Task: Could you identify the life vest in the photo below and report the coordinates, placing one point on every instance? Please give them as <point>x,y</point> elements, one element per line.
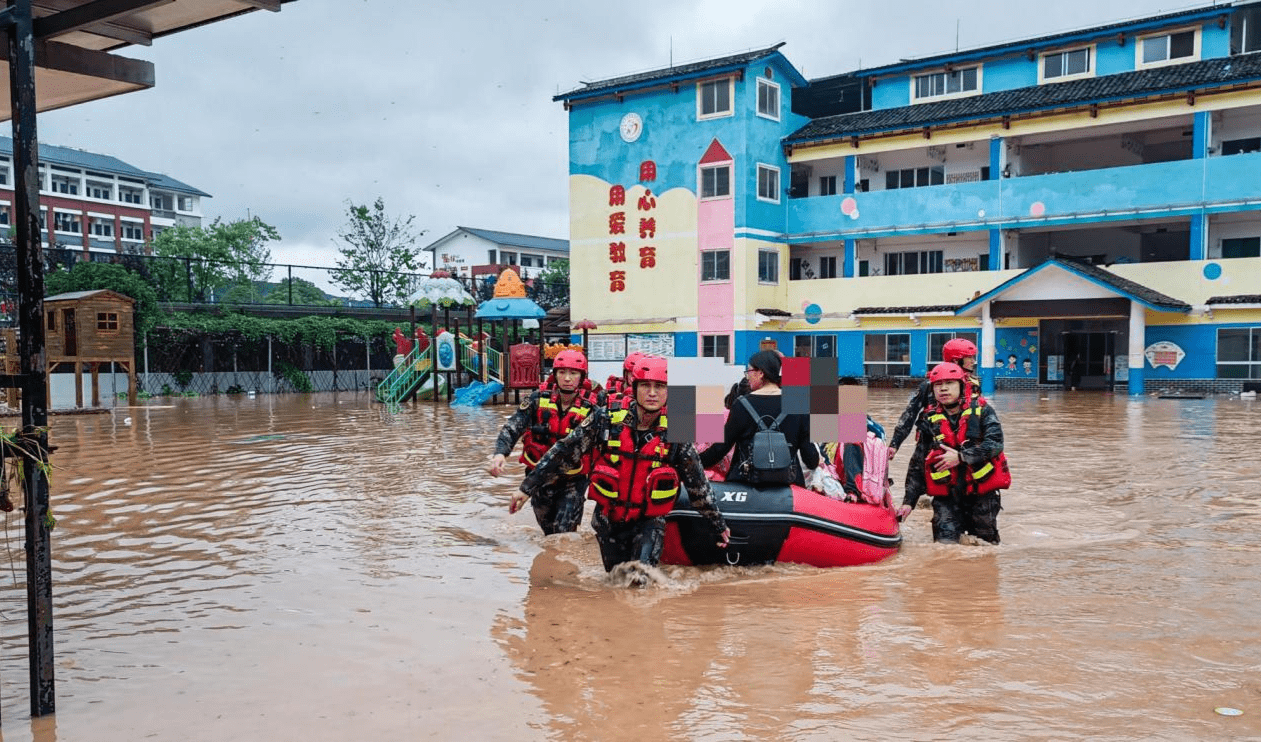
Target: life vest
<point>991,476</point>
<point>616,385</point>
<point>630,483</point>
<point>550,425</point>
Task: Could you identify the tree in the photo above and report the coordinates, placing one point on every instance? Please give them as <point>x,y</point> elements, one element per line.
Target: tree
<point>304,293</point>
<point>550,288</point>
<point>209,260</point>
<point>377,255</point>
<point>89,276</point>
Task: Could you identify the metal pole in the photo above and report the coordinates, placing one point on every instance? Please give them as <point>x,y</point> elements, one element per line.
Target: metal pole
<point>271,380</point>
<point>34,371</point>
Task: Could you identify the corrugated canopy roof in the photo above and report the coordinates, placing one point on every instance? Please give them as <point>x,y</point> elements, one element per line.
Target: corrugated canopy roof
<point>72,38</point>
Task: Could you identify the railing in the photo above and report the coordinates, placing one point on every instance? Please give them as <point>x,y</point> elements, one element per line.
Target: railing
<point>406,376</point>
<point>472,361</point>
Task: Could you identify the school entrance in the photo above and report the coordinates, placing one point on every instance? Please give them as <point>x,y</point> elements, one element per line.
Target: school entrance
<point>1084,354</point>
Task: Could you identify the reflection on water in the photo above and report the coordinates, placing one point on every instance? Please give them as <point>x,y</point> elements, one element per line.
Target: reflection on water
<point>312,567</point>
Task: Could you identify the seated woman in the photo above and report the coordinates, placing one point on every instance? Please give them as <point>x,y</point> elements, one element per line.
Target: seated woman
<point>718,472</point>
<point>763,373</point>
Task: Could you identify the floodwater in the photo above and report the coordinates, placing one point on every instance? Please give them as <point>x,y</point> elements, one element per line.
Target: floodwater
<point>315,568</point>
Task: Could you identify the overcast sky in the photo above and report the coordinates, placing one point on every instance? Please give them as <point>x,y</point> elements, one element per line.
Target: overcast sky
<point>444,108</point>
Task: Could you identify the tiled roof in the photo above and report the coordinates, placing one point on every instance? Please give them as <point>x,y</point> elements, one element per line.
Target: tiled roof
<point>907,310</point>
<point>1235,299</point>
<point>1124,285</point>
<point>1176,78</point>
<point>772,312</point>
<point>158,180</point>
<point>642,79</point>
<point>54,155</point>
<point>519,240</point>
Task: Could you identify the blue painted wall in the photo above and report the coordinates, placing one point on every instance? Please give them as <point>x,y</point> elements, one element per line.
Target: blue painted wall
<point>1197,341</point>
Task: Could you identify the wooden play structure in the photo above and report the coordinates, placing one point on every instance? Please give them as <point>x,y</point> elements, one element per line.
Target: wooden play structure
<point>86,329</point>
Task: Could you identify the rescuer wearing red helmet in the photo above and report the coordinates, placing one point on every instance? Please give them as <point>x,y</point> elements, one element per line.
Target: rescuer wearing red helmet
<point>619,386</point>
<point>635,474</point>
<point>961,352</point>
<point>965,469</point>
<point>547,415</point>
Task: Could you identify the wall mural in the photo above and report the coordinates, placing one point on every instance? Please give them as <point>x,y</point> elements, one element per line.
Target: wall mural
<point>1016,353</point>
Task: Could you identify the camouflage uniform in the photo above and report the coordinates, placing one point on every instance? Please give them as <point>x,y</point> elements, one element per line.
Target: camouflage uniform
<point>638,539</point>
<point>915,486</point>
<point>557,507</point>
<point>959,512</point>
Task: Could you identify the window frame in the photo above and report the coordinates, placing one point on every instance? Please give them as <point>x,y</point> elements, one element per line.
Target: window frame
<point>914,173</point>
<point>76,219</point>
<point>700,181</point>
<point>715,253</point>
<point>763,82</point>
<point>768,258</point>
<point>925,261</point>
<point>933,360</point>
<point>125,224</point>
<point>107,322</point>
<point>730,110</point>
<point>827,185</point>
<point>886,365</point>
<point>1064,77</point>
<point>1251,245</point>
<point>710,346</point>
<point>106,222</point>
<point>1252,348</point>
<point>828,265</point>
<point>961,93</point>
<point>774,188</point>
<point>1140,44</point>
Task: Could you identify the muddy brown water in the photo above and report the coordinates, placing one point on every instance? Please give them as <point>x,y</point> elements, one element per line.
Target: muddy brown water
<point>315,568</point>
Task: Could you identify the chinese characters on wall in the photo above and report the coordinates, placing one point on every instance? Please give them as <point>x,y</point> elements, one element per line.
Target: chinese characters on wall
<point>638,228</point>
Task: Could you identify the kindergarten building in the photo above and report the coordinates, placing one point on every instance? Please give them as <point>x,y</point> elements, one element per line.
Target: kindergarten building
<point>1086,206</point>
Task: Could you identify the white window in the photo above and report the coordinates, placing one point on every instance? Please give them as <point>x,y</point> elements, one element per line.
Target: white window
<point>102,227</point>
<point>185,203</point>
<point>1239,353</point>
<point>1067,65</point>
<point>158,201</point>
<point>827,185</point>
<point>945,84</point>
<point>713,98</point>
<point>1167,48</point>
<point>66,222</point>
<point>767,98</point>
<point>887,354</point>
<point>716,346</point>
<point>716,181</point>
<point>130,195</point>
<point>716,265</point>
<point>103,191</point>
<point>767,183</point>
<point>134,231</point>
<point>768,266</point>
<point>65,184</point>
<point>911,263</point>
<point>507,258</point>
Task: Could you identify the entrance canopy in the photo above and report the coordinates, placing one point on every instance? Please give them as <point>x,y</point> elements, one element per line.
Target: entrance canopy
<point>73,39</point>
<point>1067,288</point>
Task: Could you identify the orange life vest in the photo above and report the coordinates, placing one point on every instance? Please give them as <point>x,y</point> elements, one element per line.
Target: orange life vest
<point>550,425</point>
<point>630,483</point>
<point>991,476</point>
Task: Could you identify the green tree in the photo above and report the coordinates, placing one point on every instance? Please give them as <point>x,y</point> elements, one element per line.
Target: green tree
<point>550,288</point>
<point>378,252</point>
<point>89,276</point>
<point>305,293</point>
<point>205,261</point>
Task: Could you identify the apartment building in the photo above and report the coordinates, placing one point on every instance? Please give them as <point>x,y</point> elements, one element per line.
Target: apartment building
<point>469,251</point>
<point>1086,206</point>
<point>98,203</point>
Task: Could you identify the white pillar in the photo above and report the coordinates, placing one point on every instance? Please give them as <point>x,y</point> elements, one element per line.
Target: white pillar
<point>1138,341</point>
<point>987,350</point>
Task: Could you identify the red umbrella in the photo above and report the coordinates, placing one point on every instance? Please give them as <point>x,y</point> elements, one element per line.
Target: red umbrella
<point>584,325</point>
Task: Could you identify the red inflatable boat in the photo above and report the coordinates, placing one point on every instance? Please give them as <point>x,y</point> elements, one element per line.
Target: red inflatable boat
<point>782,524</point>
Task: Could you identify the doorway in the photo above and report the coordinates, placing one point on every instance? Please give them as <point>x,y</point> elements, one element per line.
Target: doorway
<point>1088,360</point>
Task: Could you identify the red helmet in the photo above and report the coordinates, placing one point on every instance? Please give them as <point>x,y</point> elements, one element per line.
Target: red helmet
<point>956,349</point>
<point>573,359</point>
<point>631,360</point>
<point>946,372</point>
<point>650,368</point>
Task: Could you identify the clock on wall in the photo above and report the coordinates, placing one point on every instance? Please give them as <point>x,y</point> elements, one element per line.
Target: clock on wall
<point>631,127</point>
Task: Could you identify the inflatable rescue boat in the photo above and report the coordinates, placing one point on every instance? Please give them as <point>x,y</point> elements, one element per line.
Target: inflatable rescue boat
<point>782,524</point>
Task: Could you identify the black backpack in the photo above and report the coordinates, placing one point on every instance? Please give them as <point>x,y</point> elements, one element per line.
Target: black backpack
<point>771,459</point>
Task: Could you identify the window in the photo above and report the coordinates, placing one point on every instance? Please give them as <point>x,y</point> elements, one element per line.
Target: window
<point>915,177</point>
<point>66,222</point>
<point>887,355</point>
<point>527,261</point>
<point>827,266</point>
<point>827,185</point>
<point>4,215</point>
<point>713,98</point>
<point>941,84</point>
<point>864,268</point>
<point>768,266</point>
<point>490,257</point>
<point>135,231</point>
<point>107,321</point>
<point>767,99</point>
<point>768,183</point>
<point>1241,146</point>
<point>1073,63</point>
<point>716,265</point>
<point>1239,353</point>
<point>938,340</point>
<point>158,201</point>
<point>508,258</point>
<point>52,321</point>
<point>1241,247</point>
<point>102,227</point>
<point>103,191</point>
<point>1167,47</point>
<point>130,195</point>
<point>185,203</point>
<point>716,181</point>
<point>65,184</point>
<point>825,346</point>
<point>716,346</point>
<point>911,263</point>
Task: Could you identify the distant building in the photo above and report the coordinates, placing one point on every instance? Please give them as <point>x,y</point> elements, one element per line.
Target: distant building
<point>99,203</point>
<point>474,252</point>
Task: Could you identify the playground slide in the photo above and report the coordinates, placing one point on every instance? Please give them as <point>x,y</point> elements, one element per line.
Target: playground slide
<point>476,394</point>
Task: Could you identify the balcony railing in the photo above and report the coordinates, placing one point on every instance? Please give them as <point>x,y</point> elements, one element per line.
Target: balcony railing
<point>1162,189</point>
